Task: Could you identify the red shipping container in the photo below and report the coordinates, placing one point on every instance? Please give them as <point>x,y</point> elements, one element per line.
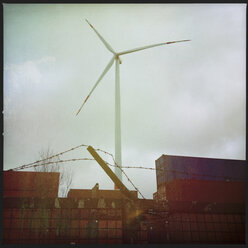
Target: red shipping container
<point>184,167</point>
<point>75,213</point>
<point>84,213</point>
<point>205,191</point>
<point>30,184</point>
<point>56,213</point>
<point>6,223</point>
<point>7,213</point>
<point>103,233</point>
<point>16,213</point>
<point>74,223</point>
<point>118,233</point>
<point>74,233</point>
<point>111,224</point>
<point>102,241</point>
<point>102,223</point>
<point>83,223</point>
<point>114,241</point>
<point>118,224</point>
<point>111,233</point>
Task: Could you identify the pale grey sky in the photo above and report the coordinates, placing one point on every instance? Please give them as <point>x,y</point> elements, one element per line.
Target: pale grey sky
<point>181,99</point>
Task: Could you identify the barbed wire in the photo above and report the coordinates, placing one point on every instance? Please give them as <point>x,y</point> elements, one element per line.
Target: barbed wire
<point>121,171</point>
<point>164,170</point>
<point>54,162</point>
<point>29,165</point>
<point>181,172</point>
<point>169,170</point>
<point>37,163</point>
<point>53,156</point>
<point>178,171</point>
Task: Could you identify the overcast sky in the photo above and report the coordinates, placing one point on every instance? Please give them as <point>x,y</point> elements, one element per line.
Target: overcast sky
<point>182,99</point>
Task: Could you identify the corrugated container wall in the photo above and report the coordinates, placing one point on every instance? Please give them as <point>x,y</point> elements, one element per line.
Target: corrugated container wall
<point>204,191</point>
<point>30,184</point>
<point>180,167</point>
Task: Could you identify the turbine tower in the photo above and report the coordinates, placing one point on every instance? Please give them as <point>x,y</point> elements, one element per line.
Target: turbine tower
<point>116,58</point>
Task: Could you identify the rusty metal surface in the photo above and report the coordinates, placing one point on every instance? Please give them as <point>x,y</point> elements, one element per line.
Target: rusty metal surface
<point>100,220</point>
<point>144,205</point>
<point>30,184</point>
<point>119,225</point>
<point>182,167</point>
<point>203,191</point>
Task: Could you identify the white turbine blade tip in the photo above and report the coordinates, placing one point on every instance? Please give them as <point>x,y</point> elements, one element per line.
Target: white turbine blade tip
<point>99,79</point>
<point>78,112</point>
<point>82,105</point>
<point>80,109</point>
<point>170,42</point>
<point>89,23</point>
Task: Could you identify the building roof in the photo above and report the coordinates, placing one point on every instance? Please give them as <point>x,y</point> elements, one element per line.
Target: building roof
<point>106,194</point>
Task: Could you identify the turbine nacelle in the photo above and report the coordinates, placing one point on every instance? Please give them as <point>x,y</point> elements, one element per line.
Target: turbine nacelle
<point>116,56</point>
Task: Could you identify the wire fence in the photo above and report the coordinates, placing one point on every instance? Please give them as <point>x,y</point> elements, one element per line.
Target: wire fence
<point>116,165</point>
<point>39,163</point>
<point>52,162</point>
<point>34,164</point>
<point>53,156</point>
<point>164,170</point>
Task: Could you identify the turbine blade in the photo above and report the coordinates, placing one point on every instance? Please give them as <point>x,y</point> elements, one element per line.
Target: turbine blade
<point>97,82</point>
<point>170,42</point>
<point>101,38</point>
<point>146,47</point>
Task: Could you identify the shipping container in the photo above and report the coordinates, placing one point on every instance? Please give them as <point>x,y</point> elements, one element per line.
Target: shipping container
<point>203,191</point>
<point>170,167</point>
<point>30,184</point>
<point>166,222</point>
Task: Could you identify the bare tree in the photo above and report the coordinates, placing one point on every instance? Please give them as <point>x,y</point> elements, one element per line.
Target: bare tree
<point>65,179</point>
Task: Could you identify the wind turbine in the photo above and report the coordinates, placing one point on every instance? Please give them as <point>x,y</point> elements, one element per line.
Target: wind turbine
<point>116,58</point>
